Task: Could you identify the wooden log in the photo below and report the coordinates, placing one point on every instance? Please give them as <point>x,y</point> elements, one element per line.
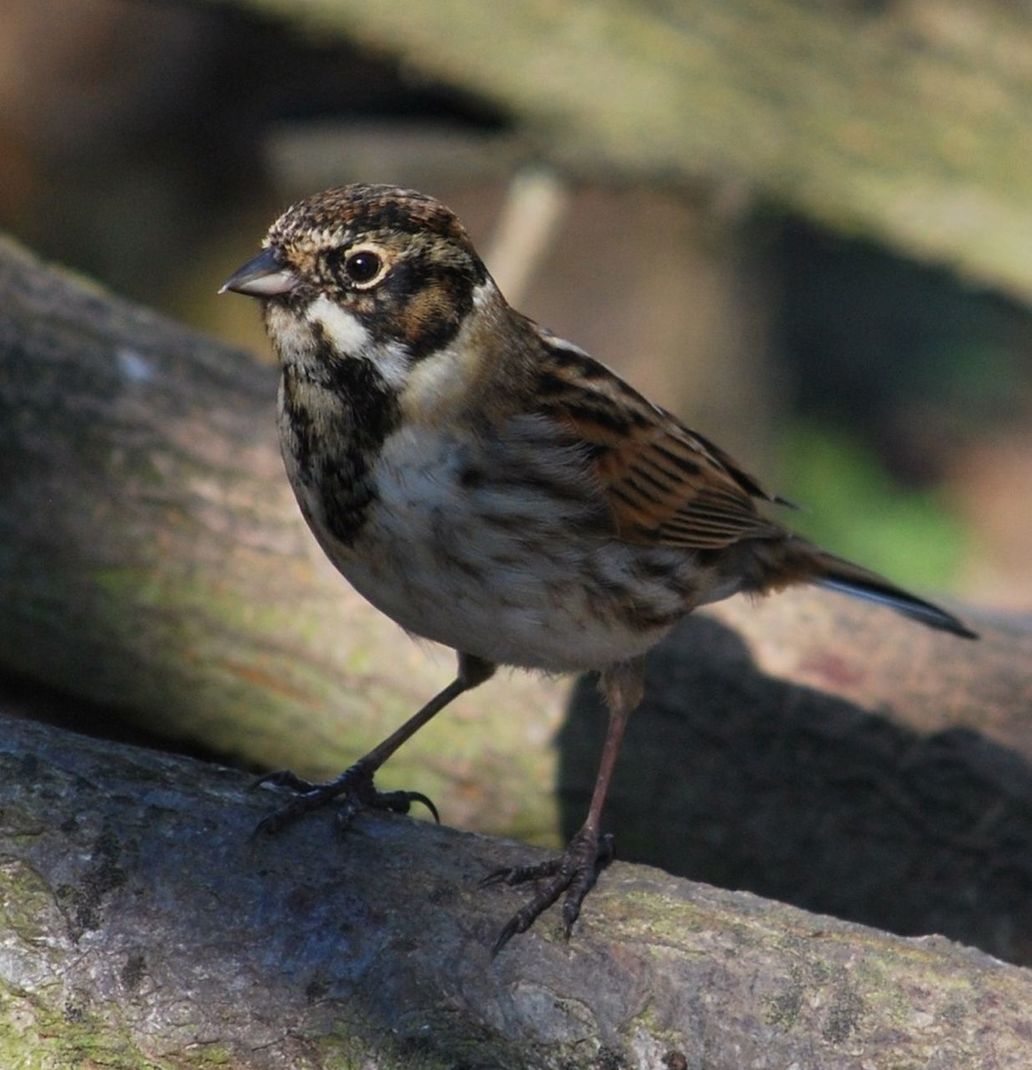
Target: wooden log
<point>848,766</point>
<point>142,925</point>
<point>151,559</point>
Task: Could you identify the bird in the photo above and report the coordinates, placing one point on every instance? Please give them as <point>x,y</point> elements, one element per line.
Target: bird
<point>494,488</point>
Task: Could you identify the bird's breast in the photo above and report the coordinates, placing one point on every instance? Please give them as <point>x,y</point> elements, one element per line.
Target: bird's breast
<point>495,546</point>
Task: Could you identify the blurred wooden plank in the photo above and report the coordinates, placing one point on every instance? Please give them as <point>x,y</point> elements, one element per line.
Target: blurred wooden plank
<point>908,123</point>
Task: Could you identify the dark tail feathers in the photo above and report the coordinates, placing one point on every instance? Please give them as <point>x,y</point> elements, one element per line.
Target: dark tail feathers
<point>837,574</point>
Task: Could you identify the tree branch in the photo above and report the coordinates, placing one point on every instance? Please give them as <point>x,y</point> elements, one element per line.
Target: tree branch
<point>151,558</point>
<point>787,750</point>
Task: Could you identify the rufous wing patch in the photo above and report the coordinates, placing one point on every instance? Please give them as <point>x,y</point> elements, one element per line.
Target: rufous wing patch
<point>664,484</point>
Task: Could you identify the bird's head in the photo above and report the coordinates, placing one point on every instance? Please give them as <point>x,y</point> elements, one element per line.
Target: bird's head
<point>369,272</point>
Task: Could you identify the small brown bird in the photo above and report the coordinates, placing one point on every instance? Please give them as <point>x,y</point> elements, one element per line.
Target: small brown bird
<point>492,487</point>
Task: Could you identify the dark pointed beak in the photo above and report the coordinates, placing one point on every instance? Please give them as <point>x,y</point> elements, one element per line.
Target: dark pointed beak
<point>267,275</point>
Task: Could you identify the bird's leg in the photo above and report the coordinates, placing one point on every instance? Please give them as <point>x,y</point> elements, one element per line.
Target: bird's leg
<point>587,854</point>
<point>355,785</point>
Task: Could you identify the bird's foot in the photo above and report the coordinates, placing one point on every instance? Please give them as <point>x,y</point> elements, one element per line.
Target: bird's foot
<point>354,787</point>
<point>573,872</point>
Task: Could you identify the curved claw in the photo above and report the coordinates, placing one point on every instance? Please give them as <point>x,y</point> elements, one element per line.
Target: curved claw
<point>496,876</point>
<point>509,930</point>
<point>354,787</point>
<point>400,802</point>
<point>272,823</point>
<point>522,920</point>
<point>573,872</point>
<point>513,875</point>
<point>299,805</point>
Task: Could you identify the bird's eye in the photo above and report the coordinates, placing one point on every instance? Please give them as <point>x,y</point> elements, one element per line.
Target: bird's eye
<point>363,267</point>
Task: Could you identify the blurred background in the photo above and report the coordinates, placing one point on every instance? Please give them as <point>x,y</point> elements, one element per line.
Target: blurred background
<point>806,229</point>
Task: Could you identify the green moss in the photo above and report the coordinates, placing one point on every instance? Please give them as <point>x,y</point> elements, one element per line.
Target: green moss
<point>36,1035</point>
<point>783,1010</point>
<point>25,903</point>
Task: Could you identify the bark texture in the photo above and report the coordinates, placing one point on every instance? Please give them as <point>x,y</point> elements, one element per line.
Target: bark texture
<point>906,122</point>
<point>143,926</point>
<point>151,559</point>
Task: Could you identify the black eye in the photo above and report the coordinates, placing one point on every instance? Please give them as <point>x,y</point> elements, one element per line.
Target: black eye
<point>363,267</point>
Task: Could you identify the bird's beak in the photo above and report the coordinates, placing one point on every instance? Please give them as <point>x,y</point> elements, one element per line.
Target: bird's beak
<point>267,275</point>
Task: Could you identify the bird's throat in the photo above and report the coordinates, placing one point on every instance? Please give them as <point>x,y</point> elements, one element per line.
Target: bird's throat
<point>334,416</point>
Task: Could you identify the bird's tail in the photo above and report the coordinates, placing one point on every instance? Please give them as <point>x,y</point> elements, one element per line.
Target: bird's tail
<point>817,566</point>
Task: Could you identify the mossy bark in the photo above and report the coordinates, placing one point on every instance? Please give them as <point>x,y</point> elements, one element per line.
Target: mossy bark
<point>151,558</point>
<point>880,775</point>
<point>144,926</point>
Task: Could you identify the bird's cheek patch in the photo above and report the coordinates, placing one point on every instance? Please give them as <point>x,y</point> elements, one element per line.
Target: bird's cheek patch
<point>343,330</point>
<point>431,317</point>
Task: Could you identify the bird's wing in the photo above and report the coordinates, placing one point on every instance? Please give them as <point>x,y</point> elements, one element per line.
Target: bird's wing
<point>665,484</point>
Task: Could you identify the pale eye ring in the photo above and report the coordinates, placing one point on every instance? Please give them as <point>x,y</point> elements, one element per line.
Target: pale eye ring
<point>364,267</point>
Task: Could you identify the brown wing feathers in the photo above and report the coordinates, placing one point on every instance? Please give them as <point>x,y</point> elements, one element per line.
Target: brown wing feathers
<point>665,484</point>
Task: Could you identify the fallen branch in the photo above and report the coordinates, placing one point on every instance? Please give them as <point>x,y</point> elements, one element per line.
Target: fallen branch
<point>826,771</point>
<point>143,926</point>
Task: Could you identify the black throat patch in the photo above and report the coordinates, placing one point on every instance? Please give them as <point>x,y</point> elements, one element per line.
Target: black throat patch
<point>333,429</point>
